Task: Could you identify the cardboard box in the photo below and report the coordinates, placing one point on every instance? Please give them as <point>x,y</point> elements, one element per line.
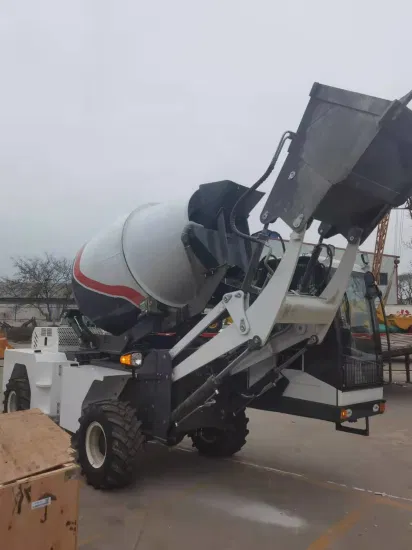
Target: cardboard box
<point>39,484</point>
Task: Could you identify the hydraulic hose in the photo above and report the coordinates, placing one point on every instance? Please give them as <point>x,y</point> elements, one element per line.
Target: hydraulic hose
<point>388,339</point>
<point>262,179</point>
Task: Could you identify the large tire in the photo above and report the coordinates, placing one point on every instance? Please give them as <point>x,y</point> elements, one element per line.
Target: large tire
<point>17,395</point>
<point>108,442</point>
<point>214,442</point>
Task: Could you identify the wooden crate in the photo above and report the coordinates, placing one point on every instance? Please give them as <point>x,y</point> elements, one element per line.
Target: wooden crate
<point>39,484</point>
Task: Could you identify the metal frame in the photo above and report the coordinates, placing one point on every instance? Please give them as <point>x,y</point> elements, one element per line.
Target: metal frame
<point>310,316</point>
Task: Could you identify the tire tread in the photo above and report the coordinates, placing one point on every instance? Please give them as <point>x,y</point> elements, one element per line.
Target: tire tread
<point>228,441</point>
<point>127,441</point>
<point>22,388</point>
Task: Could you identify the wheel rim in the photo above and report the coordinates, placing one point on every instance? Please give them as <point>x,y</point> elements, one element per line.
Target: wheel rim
<point>12,402</point>
<point>207,435</point>
<point>96,445</point>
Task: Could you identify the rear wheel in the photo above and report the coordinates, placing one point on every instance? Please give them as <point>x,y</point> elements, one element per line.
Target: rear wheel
<point>108,444</point>
<point>17,395</point>
<point>215,442</point>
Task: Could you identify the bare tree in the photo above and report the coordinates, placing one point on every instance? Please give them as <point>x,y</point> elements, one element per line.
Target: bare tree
<point>39,281</point>
<point>405,288</point>
<point>12,289</point>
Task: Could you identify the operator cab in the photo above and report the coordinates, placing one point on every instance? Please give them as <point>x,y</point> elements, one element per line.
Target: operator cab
<point>351,354</point>
<point>326,379</point>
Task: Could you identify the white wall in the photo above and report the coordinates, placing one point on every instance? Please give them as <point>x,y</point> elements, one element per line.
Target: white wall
<point>12,316</point>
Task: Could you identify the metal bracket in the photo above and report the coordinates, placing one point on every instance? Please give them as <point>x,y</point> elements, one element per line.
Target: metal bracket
<point>235,305</point>
<point>274,305</point>
<point>357,431</point>
<point>198,329</point>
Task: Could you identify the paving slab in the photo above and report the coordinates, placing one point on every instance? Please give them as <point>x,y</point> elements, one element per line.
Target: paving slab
<point>185,501</point>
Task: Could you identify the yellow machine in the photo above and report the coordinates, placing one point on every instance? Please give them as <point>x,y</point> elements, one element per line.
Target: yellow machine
<point>4,344</point>
<point>402,319</point>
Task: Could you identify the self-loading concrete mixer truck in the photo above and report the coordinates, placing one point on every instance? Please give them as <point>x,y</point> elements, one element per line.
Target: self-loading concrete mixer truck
<point>154,283</point>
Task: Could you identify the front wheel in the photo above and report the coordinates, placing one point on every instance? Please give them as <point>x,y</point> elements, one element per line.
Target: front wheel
<point>215,442</point>
<point>108,444</point>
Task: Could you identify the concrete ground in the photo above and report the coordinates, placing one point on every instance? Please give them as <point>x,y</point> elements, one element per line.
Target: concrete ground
<point>297,485</point>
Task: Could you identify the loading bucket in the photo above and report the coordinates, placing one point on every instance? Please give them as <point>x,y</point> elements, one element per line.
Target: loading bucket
<point>348,164</point>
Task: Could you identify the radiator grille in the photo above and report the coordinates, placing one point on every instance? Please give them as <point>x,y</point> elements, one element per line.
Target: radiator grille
<point>62,338</point>
<point>68,339</point>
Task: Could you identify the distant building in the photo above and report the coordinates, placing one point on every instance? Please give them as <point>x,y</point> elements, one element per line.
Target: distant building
<point>16,313</point>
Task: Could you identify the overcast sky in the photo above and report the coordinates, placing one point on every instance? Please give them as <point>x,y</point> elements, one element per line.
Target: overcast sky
<point>108,104</point>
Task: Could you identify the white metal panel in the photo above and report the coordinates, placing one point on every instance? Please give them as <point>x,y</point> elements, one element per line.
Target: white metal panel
<point>76,382</point>
<point>260,370</point>
<point>44,338</point>
<point>305,386</point>
<point>54,381</point>
<point>359,396</point>
<point>55,389</point>
<point>43,374</point>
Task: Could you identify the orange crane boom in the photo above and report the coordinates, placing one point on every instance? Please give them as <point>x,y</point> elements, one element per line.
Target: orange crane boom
<point>381,234</point>
<point>379,246</point>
